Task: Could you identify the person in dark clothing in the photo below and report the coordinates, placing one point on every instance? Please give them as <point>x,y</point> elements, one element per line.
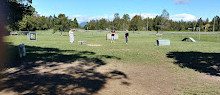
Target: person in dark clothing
<point>126,36</point>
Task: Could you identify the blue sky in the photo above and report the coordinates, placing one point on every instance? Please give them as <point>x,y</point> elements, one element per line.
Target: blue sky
<point>85,10</point>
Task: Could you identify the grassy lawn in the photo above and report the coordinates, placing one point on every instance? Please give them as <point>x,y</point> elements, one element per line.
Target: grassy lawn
<point>189,57</point>
<point>141,47</point>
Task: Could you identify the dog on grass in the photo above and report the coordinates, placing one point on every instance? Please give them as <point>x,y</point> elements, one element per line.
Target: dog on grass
<point>22,50</point>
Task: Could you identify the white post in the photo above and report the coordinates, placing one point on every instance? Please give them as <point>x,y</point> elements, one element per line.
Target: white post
<point>147,24</point>
<point>123,27</point>
<point>199,33</point>
<point>214,25</point>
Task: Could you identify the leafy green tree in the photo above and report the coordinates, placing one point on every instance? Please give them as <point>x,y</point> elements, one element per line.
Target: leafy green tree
<point>217,23</point>
<point>102,24</point>
<point>125,21</point>
<point>97,24</point>
<point>139,23</point>
<point>148,22</point>
<point>169,26</point>
<point>91,25</point>
<point>43,23</point>
<point>164,20</point>
<point>136,23</point>
<point>207,27</point>
<point>28,23</point>
<point>157,23</point>
<point>49,22</point>
<point>53,22</point>
<point>108,24</point>
<point>200,23</point>
<point>75,23</point>
<point>182,25</point>
<point>192,25</point>
<point>116,22</point>
<point>17,9</point>
<point>111,25</point>
<point>206,21</point>
<point>62,23</point>
<point>23,25</point>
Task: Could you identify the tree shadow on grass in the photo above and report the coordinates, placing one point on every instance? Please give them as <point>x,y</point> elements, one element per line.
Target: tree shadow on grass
<point>208,63</point>
<point>53,71</point>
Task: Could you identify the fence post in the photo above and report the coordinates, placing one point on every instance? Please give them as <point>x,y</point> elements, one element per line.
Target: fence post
<point>217,36</point>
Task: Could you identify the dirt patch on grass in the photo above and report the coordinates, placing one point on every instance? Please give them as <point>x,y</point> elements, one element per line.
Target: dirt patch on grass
<point>142,80</point>
<point>78,77</point>
<point>118,49</point>
<point>82,77</point>
<point>94,45</point>
<point>86,78</point>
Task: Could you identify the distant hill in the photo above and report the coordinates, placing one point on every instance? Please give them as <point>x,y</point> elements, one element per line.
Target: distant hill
<point>82,24</point>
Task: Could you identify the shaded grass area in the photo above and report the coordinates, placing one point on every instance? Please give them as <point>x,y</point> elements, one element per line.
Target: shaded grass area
<point>202,62</point>
<point>25,76</point>
<point>208,63</point>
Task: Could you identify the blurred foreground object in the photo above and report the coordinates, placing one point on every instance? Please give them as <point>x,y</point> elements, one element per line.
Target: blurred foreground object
<point>3,14</point>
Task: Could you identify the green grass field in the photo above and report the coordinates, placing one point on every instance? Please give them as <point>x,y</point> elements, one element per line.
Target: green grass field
<point>141,49</point>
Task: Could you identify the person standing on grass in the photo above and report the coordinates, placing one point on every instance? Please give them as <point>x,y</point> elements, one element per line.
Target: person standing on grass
<point>71,35</point>
<point>126,36</point>
<point>113,36</point>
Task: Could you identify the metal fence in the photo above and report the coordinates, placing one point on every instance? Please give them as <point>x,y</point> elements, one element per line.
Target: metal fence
<point>20,32</point>
<point>199,36</point>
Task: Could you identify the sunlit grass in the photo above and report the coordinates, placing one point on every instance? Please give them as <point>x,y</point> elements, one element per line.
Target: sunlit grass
<point>141,47</point>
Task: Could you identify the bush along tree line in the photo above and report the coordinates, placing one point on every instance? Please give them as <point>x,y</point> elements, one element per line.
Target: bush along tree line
<point>36,22</point>
<point>23,17</point>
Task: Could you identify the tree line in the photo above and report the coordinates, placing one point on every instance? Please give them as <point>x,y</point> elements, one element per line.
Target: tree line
<point>158,23</point>
<point>23,17</point>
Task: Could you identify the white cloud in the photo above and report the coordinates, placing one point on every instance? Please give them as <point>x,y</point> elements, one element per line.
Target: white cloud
<point>85,18</point>
<point>57,9</point>
<point>144,15</point>
<point>177,17</point>
<point>43,14</point>
<point>184,17</point>
<point>80,18</point>
<point>181,2</point>
<point>34,5</point>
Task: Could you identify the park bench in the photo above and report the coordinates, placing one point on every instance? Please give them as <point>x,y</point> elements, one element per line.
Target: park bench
<point>81,42</point>
<point>13,33</point>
